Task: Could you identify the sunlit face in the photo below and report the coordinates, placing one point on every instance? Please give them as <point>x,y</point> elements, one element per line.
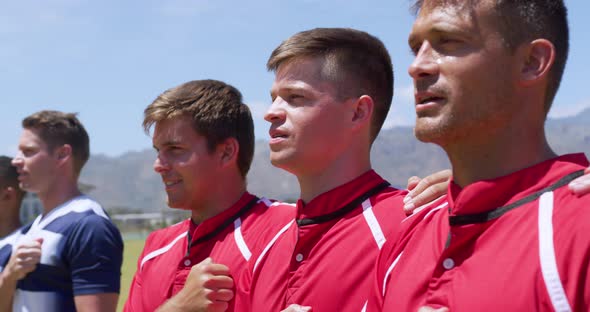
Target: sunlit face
<point>37,166</point>
<point>308,128</point>
<point>463,74</point>
<point>187,167</point>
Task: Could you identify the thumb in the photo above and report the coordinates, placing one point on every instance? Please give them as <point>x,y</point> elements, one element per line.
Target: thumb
<point>39,240</point>
<point>207,261</point>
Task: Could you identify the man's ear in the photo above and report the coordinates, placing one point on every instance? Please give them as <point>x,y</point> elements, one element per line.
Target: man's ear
<point>362,111</point>
<point>538,59</point>
<point>63,153</point>
<point>228,151</point>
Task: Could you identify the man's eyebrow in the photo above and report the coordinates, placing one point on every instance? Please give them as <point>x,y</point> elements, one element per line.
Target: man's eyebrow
<point>168,143</point>
<point>289,88</point>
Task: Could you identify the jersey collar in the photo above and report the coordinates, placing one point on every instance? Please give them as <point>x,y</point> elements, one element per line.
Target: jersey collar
<point>338,197</point>
<point>198,230</point>
<point>488,195</point>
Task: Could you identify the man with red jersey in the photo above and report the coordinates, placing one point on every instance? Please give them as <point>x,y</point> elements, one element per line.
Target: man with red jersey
<point>512,237</point>
<point>331,94</point>
<point>204,138</point>
<point>205,142</point>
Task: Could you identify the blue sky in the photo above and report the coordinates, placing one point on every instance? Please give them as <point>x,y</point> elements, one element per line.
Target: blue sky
<point>107,60</point>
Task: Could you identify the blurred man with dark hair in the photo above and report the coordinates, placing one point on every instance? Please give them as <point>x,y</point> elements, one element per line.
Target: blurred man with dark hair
<point>11,197</point>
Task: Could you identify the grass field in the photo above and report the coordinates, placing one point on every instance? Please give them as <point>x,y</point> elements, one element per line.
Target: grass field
<point>131,253</point>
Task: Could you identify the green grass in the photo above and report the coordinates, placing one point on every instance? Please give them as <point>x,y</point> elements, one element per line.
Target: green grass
<point>131,253</point>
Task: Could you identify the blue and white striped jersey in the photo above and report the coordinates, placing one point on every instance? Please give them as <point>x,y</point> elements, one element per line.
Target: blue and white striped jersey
<point>82,252</point>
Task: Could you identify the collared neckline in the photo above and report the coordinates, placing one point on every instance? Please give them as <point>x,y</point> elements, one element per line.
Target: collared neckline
<point>339,197</point>
<point>197,231</point>
<point>488,195</point>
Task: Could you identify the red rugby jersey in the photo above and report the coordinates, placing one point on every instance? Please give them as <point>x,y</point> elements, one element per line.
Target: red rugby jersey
<point>229,238</point>
<point>326,257</point>
<point>516,243</point>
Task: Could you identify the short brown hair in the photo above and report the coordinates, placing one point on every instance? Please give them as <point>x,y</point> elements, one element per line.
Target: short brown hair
<point>526,20</point>
<point>56,129</point>
<point>217,111</point>
<point>357,62</point>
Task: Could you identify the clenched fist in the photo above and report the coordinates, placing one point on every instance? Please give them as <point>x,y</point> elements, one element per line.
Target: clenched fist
<point>208,288</point>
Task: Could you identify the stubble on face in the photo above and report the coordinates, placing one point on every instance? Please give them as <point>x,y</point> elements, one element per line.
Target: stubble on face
<point>36,169</point>
<point>475,85</point>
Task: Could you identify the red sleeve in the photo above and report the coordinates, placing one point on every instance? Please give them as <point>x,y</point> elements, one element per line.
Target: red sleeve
<point>133,302</point>
<point>242,299</point>
<point>375,299</point>
<point>571,226</point>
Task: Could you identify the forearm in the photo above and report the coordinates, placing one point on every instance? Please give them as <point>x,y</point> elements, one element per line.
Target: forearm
<point>7,289</point>
<point>106,302</point>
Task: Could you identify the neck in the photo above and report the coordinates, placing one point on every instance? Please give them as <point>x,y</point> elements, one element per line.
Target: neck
<point>497,156</point>
<point>58,194</point>
<point>9,223</point>
<point>340,171</point>
<point>222,197</point>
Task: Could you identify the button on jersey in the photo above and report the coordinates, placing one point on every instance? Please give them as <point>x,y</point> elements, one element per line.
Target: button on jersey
<point>326,258</point>
<point>516,243</point>
<point>228,238</point>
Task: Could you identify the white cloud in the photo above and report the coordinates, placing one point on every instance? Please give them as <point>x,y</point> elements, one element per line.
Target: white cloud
<point>563,110</point>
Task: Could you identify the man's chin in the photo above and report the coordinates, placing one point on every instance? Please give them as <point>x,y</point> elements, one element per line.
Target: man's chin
<point>427,131</point>
<point>283,163</point>
<point>26,187</point>
<point>175,205</point>
<point>278,160</point>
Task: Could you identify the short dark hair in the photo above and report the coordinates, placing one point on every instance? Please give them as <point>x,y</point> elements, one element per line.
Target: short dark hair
<point>9,175</point>
<point>217,111</point>
<point>56,129</point>
<point>526,20</point>
<point>356,61</point>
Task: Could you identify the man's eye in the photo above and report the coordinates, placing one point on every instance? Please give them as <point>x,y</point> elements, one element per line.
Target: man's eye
<point>448,40</point>
<point>415,47</point>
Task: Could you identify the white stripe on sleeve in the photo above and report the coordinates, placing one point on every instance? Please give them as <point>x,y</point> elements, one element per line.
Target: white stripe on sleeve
<point>547,255</point>
<point>373,223</point>
<point>274,239</point>
<point>240,240</point>
<point>389,272</point>
<point>162,250</point>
